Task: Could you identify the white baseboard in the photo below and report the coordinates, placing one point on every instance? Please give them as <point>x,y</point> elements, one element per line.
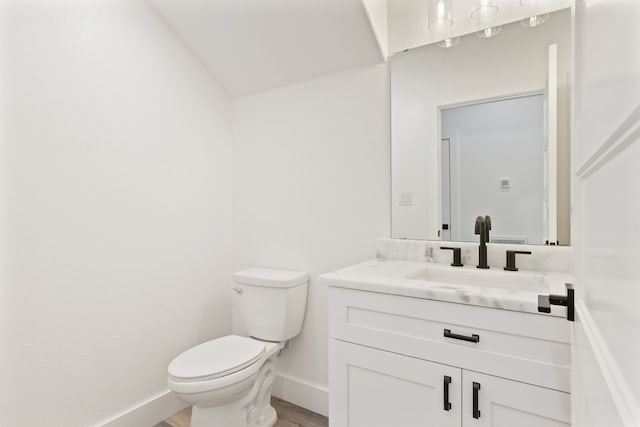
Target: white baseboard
<point>302,393</point>
<point>148,413</point>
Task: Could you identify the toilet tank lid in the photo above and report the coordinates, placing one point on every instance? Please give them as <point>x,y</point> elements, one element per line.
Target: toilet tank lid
<point>270,277</point>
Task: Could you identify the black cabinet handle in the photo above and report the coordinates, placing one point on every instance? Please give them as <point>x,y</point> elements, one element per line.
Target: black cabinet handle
<point>472,338</point>
<point>476,411</point>
<point>447,381</point>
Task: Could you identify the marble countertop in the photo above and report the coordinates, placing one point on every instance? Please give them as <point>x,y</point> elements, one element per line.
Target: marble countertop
<point>391,276</point>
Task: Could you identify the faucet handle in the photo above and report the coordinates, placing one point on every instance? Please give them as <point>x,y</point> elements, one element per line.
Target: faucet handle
<point>511,259</point>
<point>457,255</point>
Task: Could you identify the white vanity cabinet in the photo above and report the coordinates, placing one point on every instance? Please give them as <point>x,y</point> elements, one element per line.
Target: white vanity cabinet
<point>507,403</point>
<point>390,364</point>
<point>371,387</point>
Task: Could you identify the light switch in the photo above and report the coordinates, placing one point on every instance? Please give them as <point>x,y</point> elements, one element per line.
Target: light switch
<point>406,199</point>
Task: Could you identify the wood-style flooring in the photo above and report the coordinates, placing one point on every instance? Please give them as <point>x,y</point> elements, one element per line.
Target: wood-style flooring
<point>289,415</point>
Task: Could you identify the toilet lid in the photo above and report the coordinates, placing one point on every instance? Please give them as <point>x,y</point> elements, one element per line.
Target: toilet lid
<point>216,358</point>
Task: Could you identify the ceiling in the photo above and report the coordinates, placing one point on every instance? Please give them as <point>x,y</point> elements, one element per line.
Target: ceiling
<point>407,19</point>
<point>252,46</point>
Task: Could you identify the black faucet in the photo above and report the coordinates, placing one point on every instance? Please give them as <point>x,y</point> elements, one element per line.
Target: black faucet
<point>483,225</point>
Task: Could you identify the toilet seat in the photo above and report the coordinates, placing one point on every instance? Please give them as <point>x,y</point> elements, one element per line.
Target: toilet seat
<point>216,359</point>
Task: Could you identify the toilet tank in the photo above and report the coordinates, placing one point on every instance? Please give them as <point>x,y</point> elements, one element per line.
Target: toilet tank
<point>271,302</point>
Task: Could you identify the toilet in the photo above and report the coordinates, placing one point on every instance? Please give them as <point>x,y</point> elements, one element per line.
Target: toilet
<point>228,380</point>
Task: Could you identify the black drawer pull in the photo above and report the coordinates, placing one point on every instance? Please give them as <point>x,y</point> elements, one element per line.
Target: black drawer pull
<point>447,404</point>
<point>472,338</point>
<point>476,411</point>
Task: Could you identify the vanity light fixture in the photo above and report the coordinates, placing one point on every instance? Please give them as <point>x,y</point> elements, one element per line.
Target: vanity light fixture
<point>440,16</point>
<point>534,21</point>
<point>450,42</point>
<point>489,32</point>
<point>482,10</point>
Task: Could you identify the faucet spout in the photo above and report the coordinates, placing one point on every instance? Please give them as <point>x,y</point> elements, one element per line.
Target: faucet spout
<point>482,228</point>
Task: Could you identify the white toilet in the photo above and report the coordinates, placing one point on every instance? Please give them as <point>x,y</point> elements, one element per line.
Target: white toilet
<point>228,380</point>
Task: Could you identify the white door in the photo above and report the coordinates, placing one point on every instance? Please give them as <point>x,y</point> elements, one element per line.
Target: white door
<point>490,401</point>
<point>375,388</point>
<point>606,213</point>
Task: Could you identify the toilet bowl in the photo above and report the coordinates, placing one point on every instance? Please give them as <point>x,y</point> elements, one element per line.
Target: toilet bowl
<point>228,380</point>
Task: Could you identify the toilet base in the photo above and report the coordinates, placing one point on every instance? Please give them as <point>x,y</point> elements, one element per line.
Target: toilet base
<point>252,410</point>
<point>229,416</point>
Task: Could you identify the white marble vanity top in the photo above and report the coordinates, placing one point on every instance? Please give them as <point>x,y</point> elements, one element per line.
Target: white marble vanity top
<point>398,277</point>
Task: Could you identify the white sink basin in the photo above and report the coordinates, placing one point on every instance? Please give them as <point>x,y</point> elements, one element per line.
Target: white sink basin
<point>493,278</point>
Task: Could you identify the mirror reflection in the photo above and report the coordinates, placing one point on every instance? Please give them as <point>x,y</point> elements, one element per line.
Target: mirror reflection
<point>482,129</point>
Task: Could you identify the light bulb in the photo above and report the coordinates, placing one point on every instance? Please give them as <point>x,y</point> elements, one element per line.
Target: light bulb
<point>489,32</point>
<point>534,21</point>
<point>450,42</point>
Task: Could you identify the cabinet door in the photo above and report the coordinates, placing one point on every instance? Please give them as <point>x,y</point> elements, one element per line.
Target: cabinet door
<point>506,403</point>
<point>376,388</point>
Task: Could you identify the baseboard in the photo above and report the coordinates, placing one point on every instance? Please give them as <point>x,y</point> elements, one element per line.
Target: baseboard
<point>302,393</point>
<point>148,413</point>
<point>620,393</point>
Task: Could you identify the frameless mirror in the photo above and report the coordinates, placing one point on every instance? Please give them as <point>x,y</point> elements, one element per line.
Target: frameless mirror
<point>482,129</point>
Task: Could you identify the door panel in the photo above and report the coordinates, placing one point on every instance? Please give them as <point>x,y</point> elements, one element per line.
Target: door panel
<point>375,388</point>
<point>606,189</point>
<point>507,403</point>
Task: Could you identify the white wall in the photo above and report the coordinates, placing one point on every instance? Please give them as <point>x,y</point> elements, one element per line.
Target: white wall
<point>116,208</point>
<point>311,193</point>
<point>426,78</point>
<point>496,140</point>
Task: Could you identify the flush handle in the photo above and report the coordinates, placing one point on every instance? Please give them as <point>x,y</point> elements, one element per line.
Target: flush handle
<point>238,290</point>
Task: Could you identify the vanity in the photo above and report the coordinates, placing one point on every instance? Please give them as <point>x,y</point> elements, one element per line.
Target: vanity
<point>414,341</point>
<point>456,322</point>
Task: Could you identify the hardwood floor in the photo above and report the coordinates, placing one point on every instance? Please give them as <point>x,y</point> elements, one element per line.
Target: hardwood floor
<point>289,415</point>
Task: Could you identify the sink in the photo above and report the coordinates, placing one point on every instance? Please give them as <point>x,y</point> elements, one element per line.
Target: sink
<point>469,276</point>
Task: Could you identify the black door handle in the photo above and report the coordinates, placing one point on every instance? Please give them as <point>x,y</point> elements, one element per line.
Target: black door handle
<point>476,390</point>
<point>472,338</point>
<point>447,381</point>
<point>546,301</point>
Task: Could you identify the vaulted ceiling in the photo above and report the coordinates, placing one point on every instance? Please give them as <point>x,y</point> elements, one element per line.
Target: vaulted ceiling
<point>252,46</point>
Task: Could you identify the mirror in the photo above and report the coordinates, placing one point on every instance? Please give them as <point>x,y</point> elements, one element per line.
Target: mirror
<point>482,128</point>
